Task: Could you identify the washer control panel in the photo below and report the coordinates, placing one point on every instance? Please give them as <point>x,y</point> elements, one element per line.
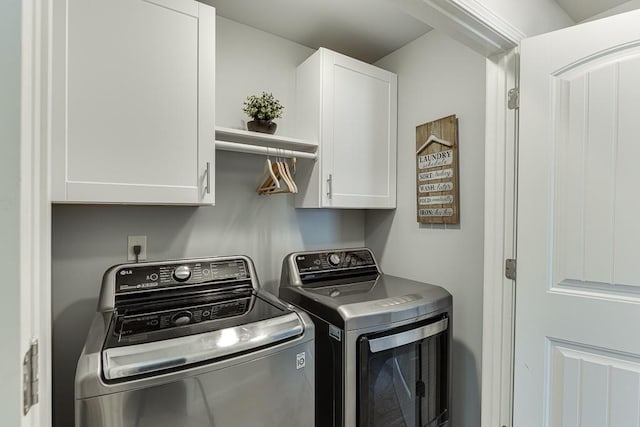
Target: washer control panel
<point>144,278</point>
<point>329,261</point>
<point>149,322</point>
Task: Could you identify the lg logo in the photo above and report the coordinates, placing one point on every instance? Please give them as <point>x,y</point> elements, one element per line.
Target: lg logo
<point>126,272</point>
<point>300,360</point>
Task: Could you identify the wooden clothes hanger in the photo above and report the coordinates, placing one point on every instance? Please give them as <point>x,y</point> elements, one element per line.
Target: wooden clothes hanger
<point>286,174</point>
<point>282,173</point>
<point>282,170</point>
<point>434,138</point>
<point>275,183</point>
<point>269,179</point>
<point>279,180</point>
<point>288,170</point>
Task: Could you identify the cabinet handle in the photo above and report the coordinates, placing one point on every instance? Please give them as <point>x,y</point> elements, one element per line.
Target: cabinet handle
<point>208,172</point>
<point>329,181</point>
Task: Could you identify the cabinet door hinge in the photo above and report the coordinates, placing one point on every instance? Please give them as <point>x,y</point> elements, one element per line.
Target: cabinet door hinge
<point>30,377</point>
<point>514,99</point>
<point>510,268</point>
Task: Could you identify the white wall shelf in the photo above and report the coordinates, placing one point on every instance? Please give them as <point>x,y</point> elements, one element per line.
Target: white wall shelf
<point>232,137</point>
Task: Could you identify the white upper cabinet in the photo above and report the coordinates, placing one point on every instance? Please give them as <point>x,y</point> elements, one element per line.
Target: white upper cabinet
<point>133,102</point>
<point>350,108</point>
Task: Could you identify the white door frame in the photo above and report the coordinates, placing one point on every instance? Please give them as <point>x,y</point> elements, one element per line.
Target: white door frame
<point>35,206</point>
<point>498,323</point>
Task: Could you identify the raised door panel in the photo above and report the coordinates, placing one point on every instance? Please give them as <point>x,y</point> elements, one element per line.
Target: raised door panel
<point>133,100</point>
<point>592,387</point>
<point>359,134</point>
<point>597,206</point>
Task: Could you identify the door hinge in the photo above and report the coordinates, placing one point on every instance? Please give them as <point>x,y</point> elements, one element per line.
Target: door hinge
<point>30,377</point>
<point>510,268</point>
<point>514,99</point>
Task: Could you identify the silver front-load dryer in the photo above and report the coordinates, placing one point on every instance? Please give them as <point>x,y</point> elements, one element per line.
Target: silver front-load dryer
<point>194,343</point>
<point>383,343</point>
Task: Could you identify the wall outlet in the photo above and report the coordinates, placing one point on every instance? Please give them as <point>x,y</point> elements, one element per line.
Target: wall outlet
<point>136,240</point>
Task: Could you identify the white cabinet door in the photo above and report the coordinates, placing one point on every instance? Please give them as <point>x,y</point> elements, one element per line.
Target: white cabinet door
<point>355,123</point>
<point>134,102</point>
<point>577,352</point>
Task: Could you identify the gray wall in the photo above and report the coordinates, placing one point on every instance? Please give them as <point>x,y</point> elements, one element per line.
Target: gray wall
<point>10,17</point>
<point>624,7</point>
<point>530,17</point>
<point>88,239</point>
<point>250,61</point>
<point>438,77</point>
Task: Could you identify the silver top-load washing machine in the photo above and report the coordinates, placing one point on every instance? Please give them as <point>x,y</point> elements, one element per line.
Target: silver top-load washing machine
<point>194,343</point>
<point>382,342</point>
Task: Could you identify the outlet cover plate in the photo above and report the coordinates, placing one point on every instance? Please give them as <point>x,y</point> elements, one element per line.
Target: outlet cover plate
<point>136,240</point>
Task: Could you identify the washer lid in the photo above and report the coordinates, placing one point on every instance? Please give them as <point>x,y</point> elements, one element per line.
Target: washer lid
<point>363,304</point>
<point>134,360</point>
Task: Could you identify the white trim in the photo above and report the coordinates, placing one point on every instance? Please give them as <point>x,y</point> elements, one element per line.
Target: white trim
<point>467,21</point>
<point>499,243</point>
<point>35,208</point>
<point>493,26</point>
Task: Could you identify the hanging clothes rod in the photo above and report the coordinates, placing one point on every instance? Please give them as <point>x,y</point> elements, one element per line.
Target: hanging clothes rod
<point>265,151</point>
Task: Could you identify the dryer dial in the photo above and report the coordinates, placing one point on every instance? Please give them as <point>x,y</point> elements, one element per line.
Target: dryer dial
<point>334,260</point>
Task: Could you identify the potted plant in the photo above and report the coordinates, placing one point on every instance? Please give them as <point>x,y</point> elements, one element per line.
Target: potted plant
<point>262,109</point>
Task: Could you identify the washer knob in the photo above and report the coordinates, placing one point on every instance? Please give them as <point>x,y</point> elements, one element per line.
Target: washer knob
<point>182,273</point>
<point>182,318</point>
<point>334,259</point>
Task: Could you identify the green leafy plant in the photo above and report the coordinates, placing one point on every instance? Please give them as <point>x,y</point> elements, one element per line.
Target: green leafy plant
<point>263,107</point>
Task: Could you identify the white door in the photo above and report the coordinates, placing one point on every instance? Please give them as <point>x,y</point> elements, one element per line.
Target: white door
<point>577,356</point>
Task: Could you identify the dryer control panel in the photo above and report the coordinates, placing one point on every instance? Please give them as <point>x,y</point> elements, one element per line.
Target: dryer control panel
<point>323,261</point>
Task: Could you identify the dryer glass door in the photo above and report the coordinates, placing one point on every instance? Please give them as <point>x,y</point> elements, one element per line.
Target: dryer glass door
<point>403,376</point>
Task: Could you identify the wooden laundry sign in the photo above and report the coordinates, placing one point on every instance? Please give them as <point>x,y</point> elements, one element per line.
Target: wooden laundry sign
<point>437,185</point>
